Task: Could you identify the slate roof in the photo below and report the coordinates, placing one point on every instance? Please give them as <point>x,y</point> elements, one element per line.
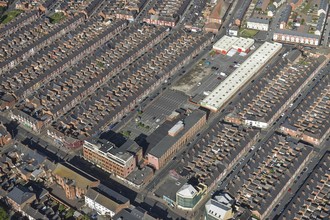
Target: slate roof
<point>20,194</point>
<point>106,197</point>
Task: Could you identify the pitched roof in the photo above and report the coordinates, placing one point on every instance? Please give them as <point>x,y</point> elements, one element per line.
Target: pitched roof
<point>258,20</point>
<point>133,214</point>
<point>82,179</point>
<point>241,11</point>
<point>295,33</point>
<point>285,14</point>
<point>216,209</point>
<point>109,198</point>
<point>3,130</point>
<point>34,213</point>
<point>320,22</point>
<point>20,194</point>
<point>323,5</point>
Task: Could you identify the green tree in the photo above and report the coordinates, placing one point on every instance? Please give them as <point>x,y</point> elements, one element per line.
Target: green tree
<point>61,208</point>
<point>3,214</point>
<point>302,21</point>
<point>69,214</point>
<point>57,17</point>
<point>84,217</point>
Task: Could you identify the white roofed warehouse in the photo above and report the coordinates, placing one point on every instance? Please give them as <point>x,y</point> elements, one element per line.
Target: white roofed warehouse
<point>224,44</point>
<point>235,81</point>
<point>243,44</point>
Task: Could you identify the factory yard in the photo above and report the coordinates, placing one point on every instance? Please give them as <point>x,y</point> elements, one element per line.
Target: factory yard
<point>209,72</point>
<point>194,76</point>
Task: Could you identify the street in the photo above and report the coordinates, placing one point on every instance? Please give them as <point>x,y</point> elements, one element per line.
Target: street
<point>265,136</point>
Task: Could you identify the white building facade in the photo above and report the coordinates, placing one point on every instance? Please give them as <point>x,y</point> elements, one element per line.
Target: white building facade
<point>258,24</point>
<point>295,37</point>
<point>99,208</point>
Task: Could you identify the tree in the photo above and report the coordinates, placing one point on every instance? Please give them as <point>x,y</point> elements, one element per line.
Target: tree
<point>69,214</point>
<point>302,21</point>
<point>3,214</point>
<point>61,208</point>
<point>84,217</point>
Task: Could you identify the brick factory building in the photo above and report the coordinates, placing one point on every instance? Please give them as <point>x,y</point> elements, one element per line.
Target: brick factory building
<point>178,136</point>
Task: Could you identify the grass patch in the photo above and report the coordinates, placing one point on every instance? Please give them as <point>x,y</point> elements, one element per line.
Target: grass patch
<point>126,134</point>
<point>307,7</point>
<point>303,62</point>
<point>57,17</point>
<point>248,32</point>
<point>84,217</point>
<point>54,203</point>
<point>8,16</point>
<point>4,213</point>
<point>140,124</point>
<point>100,64</point>
<point>212,53</point>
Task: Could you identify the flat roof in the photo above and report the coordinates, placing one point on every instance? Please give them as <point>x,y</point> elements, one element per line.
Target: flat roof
<point>170,187</point>
<point>167,142</point>
<point>108,149</point>
<point>225,43</point>
<point>243,43</point>
<point>240,76</point>
<point>140,175</point>
<point>176,128</point>
<point>187,191</point>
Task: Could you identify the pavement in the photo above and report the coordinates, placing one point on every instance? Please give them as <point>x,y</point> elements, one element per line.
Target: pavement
<point>56,153</point>
<point>214,118</point>
<point>186,68</point>
<point>22,134</point>
<point>274,23</point>
<point>319,152</point>
<point>35,141</point>
<point>144,11</point>
<point>154,114</point>
<point>266,135</point>
<point>218,63</point>
<point>326,33</point>
<point>298,183</point>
